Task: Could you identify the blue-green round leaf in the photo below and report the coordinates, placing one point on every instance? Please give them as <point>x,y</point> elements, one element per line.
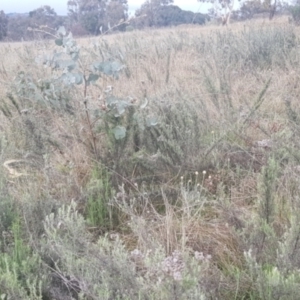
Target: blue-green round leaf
<point>78,78</point>
<point>92,78</point>
<point>66,64</point>
<point>74,55</point>
<point>121,106</point>
<point>111,101</point>
<point>72,78</point>
<point>119,132</point>
<point>59,42</point>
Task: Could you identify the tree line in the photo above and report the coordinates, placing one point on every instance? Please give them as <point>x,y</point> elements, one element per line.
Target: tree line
<point>94,17</point>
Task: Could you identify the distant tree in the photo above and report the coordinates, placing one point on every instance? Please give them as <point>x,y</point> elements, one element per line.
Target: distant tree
<point>252,7</point>
<point>294,10</point>
<point>46,13</point>
<point>148,10</point>
<point>41,20</point>
<point>73,23</point>
<point>172,15</point>
<point>169,15</point>
<point>73,11</point>
<point>46,16</point>
<point>223,9</point>
<point>117,13</point>
<point>17,28</point>
<point>272,8</point>
<point>3,25</point>
<point>96,15</point>
<point>199,18</point>
<point>89,13</point>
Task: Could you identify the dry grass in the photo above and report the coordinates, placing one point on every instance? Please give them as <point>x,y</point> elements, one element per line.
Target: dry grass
<point>247,154</point>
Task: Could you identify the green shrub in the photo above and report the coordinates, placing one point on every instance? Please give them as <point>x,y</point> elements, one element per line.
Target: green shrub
<point>21,271</point>
<point>99,213</point>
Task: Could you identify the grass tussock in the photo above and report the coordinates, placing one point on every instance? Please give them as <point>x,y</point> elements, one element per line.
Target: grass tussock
<point>169,171</point>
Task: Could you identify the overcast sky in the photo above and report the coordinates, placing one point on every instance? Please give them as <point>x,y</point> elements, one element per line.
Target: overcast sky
<point>60,6</point>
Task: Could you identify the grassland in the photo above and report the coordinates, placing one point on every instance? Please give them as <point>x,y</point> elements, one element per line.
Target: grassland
<point>203,204</point>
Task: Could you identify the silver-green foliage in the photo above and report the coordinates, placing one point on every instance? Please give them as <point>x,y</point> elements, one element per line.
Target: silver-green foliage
<point>101,270</point>
<point>71,71</point>
<point>272,282</point>
<point>119,119</point>
<point>105,269</point>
